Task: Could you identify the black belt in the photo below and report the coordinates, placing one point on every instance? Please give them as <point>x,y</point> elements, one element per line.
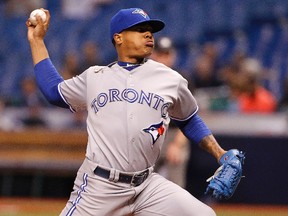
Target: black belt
<point>134,180</point>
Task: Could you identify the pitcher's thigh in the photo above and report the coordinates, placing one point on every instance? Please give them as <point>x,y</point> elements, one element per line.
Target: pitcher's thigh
<point>163,197</point>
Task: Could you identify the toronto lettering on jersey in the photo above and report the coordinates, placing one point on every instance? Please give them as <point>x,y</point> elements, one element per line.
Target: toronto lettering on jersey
<point>132,96</point>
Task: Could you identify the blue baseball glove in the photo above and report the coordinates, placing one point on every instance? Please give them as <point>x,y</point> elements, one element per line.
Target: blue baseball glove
<point>227,177</point>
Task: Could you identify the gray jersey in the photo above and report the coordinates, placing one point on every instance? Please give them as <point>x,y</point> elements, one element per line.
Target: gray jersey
<point>128,111</point>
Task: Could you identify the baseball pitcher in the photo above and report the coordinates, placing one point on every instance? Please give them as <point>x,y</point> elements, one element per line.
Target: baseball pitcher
<point>130,104</point>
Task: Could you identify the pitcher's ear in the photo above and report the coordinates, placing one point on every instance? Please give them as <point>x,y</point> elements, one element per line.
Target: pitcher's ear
<point>118,38</point>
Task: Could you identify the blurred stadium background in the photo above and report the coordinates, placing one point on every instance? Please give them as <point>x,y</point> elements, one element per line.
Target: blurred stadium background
<point>38,164</point>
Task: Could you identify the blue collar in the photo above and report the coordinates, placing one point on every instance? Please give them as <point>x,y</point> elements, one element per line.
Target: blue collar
<point>128,66</point>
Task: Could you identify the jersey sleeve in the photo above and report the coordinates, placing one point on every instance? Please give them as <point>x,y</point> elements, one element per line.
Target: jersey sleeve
<point>74,91</point>
<point>185,105</point>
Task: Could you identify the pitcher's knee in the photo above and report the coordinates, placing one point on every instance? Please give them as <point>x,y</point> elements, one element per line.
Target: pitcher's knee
<point>205,210</point>
<point>210,212</point>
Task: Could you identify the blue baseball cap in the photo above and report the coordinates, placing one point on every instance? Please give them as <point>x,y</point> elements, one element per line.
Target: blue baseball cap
<point>126,18</point>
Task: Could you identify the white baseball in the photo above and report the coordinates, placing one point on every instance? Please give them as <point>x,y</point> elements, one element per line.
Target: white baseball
<point>38,12</point>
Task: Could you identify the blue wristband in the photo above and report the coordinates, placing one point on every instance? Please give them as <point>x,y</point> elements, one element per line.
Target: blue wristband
<point>48,79</point>
<point>194,128</point>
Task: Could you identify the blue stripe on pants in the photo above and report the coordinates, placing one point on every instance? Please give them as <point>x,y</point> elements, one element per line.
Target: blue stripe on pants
<point>77,200</point>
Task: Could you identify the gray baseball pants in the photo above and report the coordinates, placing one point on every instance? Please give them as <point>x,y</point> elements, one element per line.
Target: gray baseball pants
<point>97,196</point>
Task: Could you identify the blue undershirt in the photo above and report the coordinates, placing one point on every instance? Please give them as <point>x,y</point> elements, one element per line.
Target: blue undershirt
<point>48,79</point>
<point>194,128</point>
<point>128,66</point>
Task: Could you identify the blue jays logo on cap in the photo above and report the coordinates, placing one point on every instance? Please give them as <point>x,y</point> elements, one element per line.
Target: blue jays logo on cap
<point>141,12</point>
<point>126,18</point>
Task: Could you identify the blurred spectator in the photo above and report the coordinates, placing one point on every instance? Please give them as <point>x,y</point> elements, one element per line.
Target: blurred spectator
<point>283,103</point>
<point>206,79</point>
<point>84,9</point>
<point>243,91</point>
<point>204,73</point>
<point>33,118</point>
<point>34,103</point>
<point>73,65</point>
<point>176,153</point>
<point>164,52</point>
<point>254,98</point>
<point>70,67</point>
<point>90,55</point>
<point>172,162</point>
<point>226,97</point>
<point>7,123</point>
<point>30,93</point>
<point>20,8</point>
<point>229,71</point>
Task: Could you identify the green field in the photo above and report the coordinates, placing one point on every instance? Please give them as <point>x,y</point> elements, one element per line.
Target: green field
<point>251,210</point>
<point>44,207</point>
